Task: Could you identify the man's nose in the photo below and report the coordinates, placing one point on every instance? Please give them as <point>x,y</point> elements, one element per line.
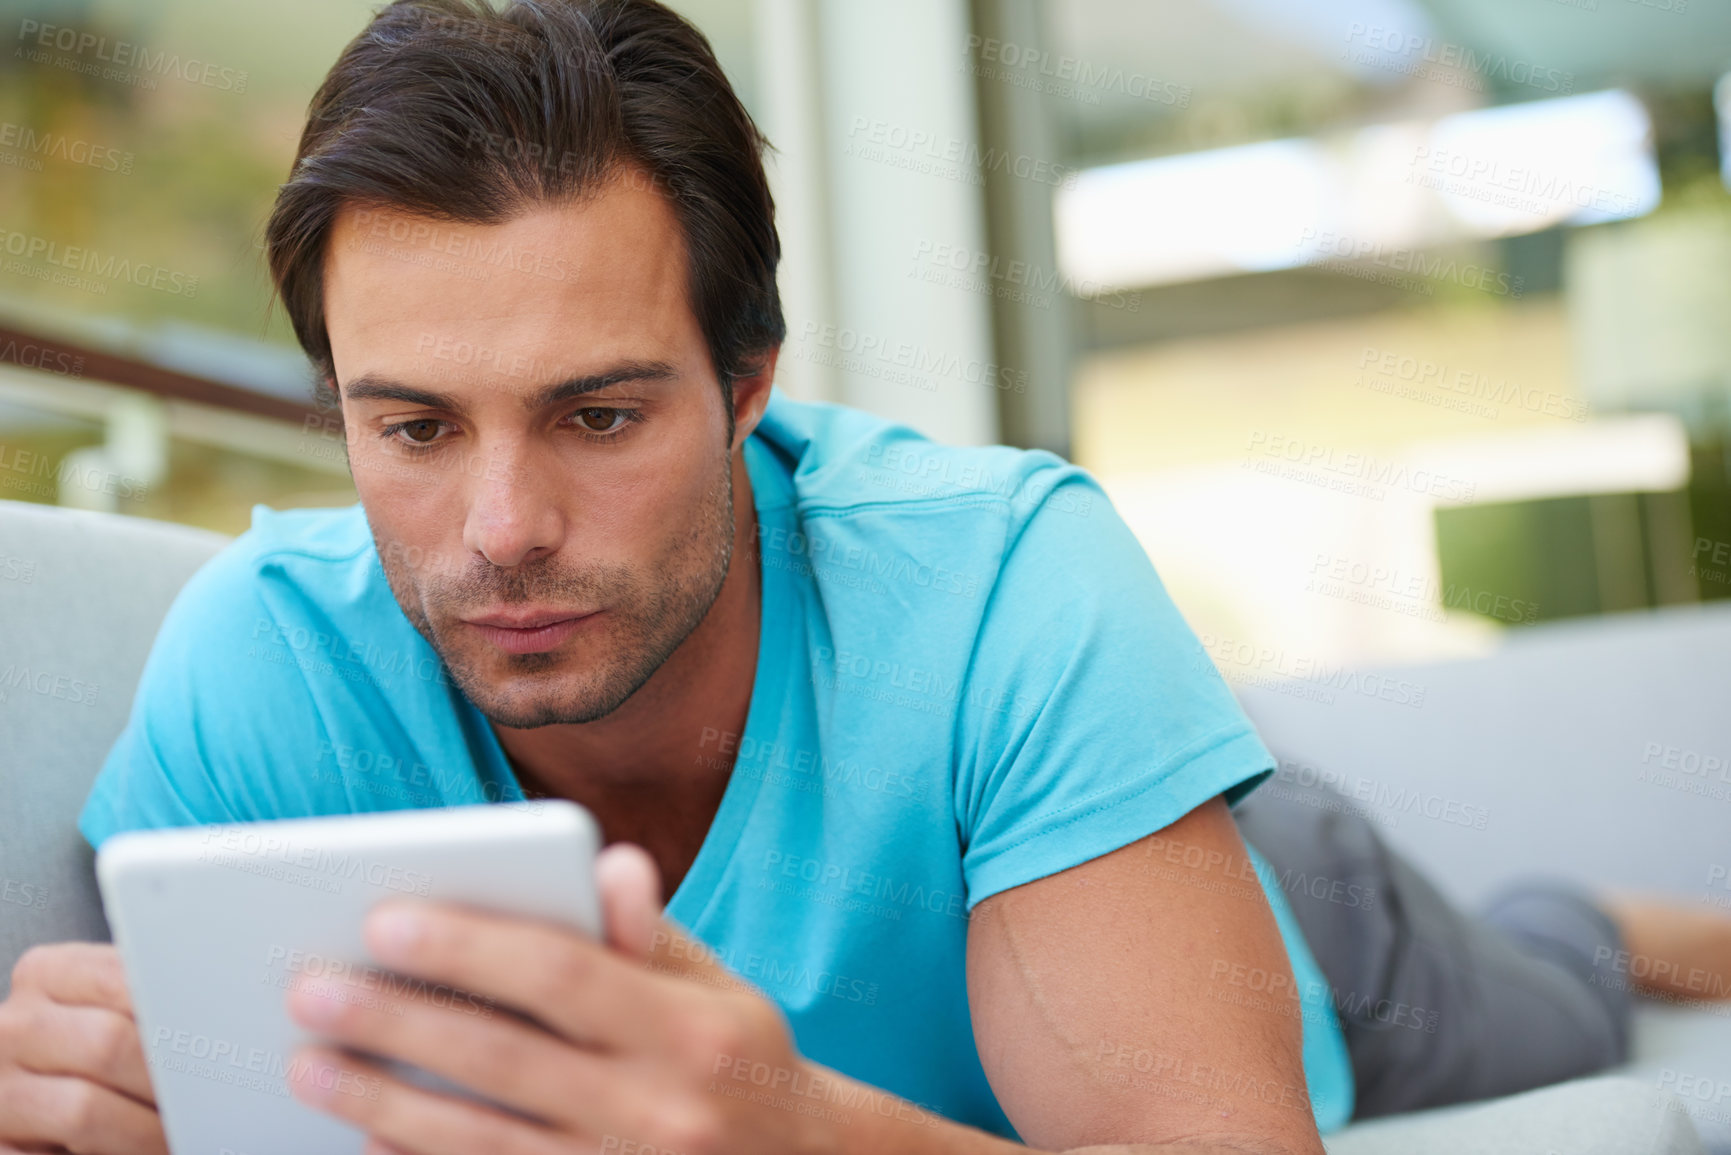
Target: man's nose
<point>510,519</point>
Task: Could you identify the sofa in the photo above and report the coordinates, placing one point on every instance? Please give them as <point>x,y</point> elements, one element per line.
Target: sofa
<point>82,594</point>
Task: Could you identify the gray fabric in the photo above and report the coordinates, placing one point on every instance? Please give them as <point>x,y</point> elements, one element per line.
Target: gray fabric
<point>81,596</point>
<point>1561,923</point>
<point>1548,757</point>
<point>1603,1116</point>
<point>1438,1007</point>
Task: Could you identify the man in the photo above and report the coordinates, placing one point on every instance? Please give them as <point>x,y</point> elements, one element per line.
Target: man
<point>909,737</point>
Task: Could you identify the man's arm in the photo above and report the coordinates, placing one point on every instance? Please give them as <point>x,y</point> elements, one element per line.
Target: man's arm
<point>1096,1017</point>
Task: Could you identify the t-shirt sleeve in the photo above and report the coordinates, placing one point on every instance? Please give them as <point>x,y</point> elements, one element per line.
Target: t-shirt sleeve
<point>212,718</point>
<point>1092,717</point>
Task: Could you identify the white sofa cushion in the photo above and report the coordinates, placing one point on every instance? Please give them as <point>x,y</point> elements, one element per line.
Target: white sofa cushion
<point>81,596</point>
<point>1607,1115</point>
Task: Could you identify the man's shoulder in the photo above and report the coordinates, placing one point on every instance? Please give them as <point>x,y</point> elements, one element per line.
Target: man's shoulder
<point>330,536</point>
<point>282,664</point>
<point>301,570</point>
<point>310,548</point>
<point>913,543</point>
<point>842,459</point>
<point>292,620</point>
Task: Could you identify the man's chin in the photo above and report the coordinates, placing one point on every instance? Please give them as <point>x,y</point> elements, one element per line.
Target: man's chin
<point>529,711</point>
<point>521,717</point>
<point>522,694</point>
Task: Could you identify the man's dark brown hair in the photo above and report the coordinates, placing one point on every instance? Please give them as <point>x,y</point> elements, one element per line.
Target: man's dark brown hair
<point>457,111</point>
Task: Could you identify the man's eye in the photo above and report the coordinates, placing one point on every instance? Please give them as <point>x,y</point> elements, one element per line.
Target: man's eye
<point>599,420</point>
<point>420,432</point>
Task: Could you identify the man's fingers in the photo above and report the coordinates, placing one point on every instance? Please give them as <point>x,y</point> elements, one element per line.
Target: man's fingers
<point>672,951</point>
<point>60,1111</point>
<point>408,1117</point>
<point>375,1146</point>
<point>630,886</point>
<point>504,1058</point>
<point>580,988</point>
<point>89,1042</point>
<point>75,974</point>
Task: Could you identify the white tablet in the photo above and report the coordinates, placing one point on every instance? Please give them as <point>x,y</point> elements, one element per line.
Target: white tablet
<point>215,924</point>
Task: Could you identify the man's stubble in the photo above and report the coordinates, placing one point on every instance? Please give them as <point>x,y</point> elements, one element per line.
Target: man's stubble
<point>649,613</point>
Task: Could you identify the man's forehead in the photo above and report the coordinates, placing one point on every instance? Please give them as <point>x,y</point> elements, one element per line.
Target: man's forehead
<point>622,240</point>
<point>556,291</point>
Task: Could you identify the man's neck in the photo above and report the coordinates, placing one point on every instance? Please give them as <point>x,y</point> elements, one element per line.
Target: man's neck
<point>653,771</point>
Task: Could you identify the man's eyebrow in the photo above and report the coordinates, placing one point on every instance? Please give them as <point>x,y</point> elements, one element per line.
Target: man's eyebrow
<point>371,387</point>
<point>618,375</point>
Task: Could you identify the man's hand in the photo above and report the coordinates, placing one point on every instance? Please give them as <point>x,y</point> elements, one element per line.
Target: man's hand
<point>72,1072</point>
<point>634,1042</point>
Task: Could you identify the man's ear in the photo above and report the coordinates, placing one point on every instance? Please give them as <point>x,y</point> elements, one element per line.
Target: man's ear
<point>751,395</point>
<point>325,395</point>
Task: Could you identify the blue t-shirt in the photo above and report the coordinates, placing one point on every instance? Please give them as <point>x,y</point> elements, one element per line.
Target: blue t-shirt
<point>968,678</point>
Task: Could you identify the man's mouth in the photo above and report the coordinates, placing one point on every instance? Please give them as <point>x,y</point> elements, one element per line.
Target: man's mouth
<point>530,631</point>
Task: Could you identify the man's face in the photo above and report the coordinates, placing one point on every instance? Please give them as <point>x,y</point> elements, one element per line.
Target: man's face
<point>539,441</point>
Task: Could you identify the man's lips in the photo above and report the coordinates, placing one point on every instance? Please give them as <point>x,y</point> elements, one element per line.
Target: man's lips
<point>525,619</point>
<point>529,631</point>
